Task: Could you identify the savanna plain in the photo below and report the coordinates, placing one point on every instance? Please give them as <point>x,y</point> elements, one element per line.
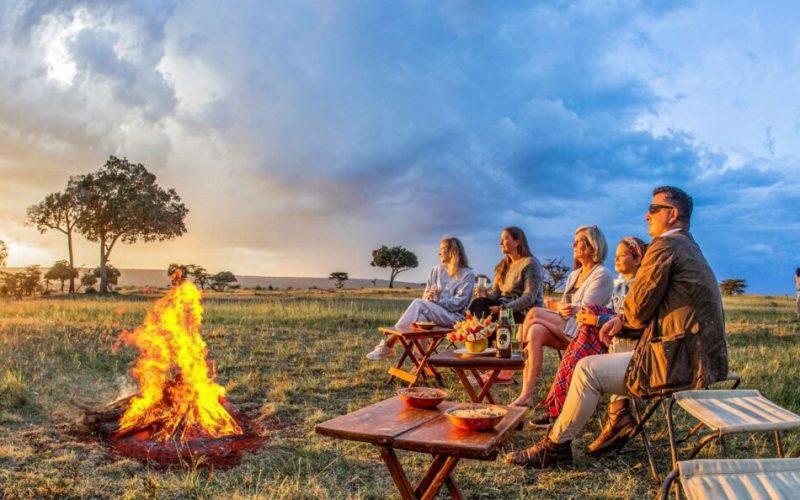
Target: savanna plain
<point>295,359</point>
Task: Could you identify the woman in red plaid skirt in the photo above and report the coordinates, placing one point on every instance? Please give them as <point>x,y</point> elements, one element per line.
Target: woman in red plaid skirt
<point>590,318</point>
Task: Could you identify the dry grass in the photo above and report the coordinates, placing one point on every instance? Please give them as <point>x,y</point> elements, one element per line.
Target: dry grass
<point>299,357</point>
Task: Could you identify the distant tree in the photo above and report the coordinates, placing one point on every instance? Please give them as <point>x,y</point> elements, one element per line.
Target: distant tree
<point>89,280</point>
<point>183,268</point>
<point>122,202</point>
<point>199,275</point>
<point>31,280</point>
<point>374,282</point>
<point>3,253</point>
<point>555,274</point>
<point>62,212</point>
<point>732,286</point>
<point>11,284</point>
<point>340,278</point>
<point>112,275</point>
<point>222,280</point>
<point>397,258</point>
<point>62,271</point>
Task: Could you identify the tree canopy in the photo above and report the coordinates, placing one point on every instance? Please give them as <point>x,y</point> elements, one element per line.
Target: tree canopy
<point>59,211</point>
<point>122,202</point>
<point>339,278</point>
<point>732,286</point>
<point>222,280</point>
<point>62,271</point>
<point>397,258</point>
<point>555,274</point>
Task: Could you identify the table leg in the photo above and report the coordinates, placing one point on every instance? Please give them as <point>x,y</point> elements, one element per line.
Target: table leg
<point>485,394</point>
<point>398,475</point>
<point>441,477</point>
<point>397,370</point>
<point>455,491</point>
<point>423,367</point>
<point>467,385</point>
<point>399,365</point>
<point>438,462</point>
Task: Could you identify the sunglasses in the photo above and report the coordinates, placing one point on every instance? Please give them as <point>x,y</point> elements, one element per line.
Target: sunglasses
<point>655,207</point>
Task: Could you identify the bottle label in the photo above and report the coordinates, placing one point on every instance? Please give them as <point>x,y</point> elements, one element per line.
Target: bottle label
<point>503,338</point>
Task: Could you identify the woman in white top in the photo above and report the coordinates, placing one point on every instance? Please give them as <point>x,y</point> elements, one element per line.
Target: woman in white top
<point>445,299</point>
<point>555,326</point>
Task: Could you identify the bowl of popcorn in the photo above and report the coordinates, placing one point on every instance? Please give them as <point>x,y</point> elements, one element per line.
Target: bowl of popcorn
<point>476,417</point>
<point>421,397</point>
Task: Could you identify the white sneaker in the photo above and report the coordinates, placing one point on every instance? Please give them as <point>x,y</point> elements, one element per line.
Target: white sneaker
<point>381,351</point>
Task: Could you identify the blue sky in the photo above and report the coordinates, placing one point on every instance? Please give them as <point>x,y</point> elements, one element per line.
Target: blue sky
<point>302,135</point>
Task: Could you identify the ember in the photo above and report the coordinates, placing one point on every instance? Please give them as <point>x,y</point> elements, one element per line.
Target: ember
<point>179,410</point>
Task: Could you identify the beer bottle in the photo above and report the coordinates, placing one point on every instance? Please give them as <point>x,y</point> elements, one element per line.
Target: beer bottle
<point>503,335</point>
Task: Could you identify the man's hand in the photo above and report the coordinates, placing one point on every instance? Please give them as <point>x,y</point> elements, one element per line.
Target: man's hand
<point>611,328</point>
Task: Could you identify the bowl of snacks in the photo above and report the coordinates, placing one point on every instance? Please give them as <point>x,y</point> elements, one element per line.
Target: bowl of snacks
<point>423,325</point>
<point>421,397</point>
<point>476,417</point>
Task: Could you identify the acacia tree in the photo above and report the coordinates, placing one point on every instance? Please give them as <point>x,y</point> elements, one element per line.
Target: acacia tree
<point>222,280</point>
<point>397,258</point>
<point>62,271</point>
<point>59,211</point>
<point>732,286</point>
<point>340,278</point>
<point>122,202</point>
<point>3,253</point>
<point>555,274</point>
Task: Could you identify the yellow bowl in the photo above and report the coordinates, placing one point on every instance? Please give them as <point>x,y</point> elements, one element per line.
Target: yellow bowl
<point>477,346</point>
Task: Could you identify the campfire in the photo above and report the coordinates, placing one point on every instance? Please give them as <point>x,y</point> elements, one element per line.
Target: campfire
<point>179,412</point>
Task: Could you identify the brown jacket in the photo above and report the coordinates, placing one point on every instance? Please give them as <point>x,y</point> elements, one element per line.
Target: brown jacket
<point>675,299</point>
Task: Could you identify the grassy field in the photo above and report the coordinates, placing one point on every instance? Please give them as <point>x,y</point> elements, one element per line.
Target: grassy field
<point>298,359</point>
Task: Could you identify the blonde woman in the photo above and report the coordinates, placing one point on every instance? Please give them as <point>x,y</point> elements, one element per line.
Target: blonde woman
<point>446,297</point>
<point>555,326</point>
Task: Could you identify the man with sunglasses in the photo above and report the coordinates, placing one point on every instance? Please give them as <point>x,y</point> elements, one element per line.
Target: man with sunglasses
<point>675,301</point>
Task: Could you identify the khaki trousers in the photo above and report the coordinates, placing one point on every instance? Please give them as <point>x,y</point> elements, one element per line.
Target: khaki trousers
<point>593,377</point>
<point>619,344</point>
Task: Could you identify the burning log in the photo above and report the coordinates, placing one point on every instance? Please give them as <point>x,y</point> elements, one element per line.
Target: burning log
<point>179,413</point>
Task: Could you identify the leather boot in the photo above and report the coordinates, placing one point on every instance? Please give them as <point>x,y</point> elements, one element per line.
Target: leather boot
<point>542,455</point>
<point>617,429</point>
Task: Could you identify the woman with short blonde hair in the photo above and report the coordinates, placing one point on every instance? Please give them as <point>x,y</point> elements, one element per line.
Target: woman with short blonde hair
<point>555,326</point>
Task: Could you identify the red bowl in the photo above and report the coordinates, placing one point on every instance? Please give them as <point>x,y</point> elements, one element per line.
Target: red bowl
<point>476,423</point>
<point>421,397</point>
<point>423,325</point>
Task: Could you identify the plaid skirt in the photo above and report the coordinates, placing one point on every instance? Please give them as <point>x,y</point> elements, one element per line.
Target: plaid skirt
<point>586,343</point>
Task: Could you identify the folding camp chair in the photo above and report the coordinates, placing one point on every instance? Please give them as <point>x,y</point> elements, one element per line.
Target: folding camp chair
<point>730,412</point>
<point>746,478</point>
<point>644,410</point>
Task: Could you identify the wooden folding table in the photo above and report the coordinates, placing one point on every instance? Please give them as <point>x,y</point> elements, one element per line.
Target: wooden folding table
<point>414,349</point>
<point>475,365</point>
<point>391,425</point>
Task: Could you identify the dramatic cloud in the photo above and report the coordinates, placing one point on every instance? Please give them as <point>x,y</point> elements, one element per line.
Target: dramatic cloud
<point>304,134</point>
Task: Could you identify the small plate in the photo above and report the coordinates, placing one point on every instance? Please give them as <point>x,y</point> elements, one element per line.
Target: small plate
<point>485,352</point>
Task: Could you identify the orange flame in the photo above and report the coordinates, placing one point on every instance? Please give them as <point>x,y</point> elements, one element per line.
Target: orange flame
<point>177,396</point>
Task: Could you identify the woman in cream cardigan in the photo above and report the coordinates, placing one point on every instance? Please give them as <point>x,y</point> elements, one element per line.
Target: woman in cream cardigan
<point>555,325</point>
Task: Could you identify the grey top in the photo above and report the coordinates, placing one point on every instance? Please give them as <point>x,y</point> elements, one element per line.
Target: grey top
<point>522,287</point>
<point>454,292</point>
<point>797,283</point>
